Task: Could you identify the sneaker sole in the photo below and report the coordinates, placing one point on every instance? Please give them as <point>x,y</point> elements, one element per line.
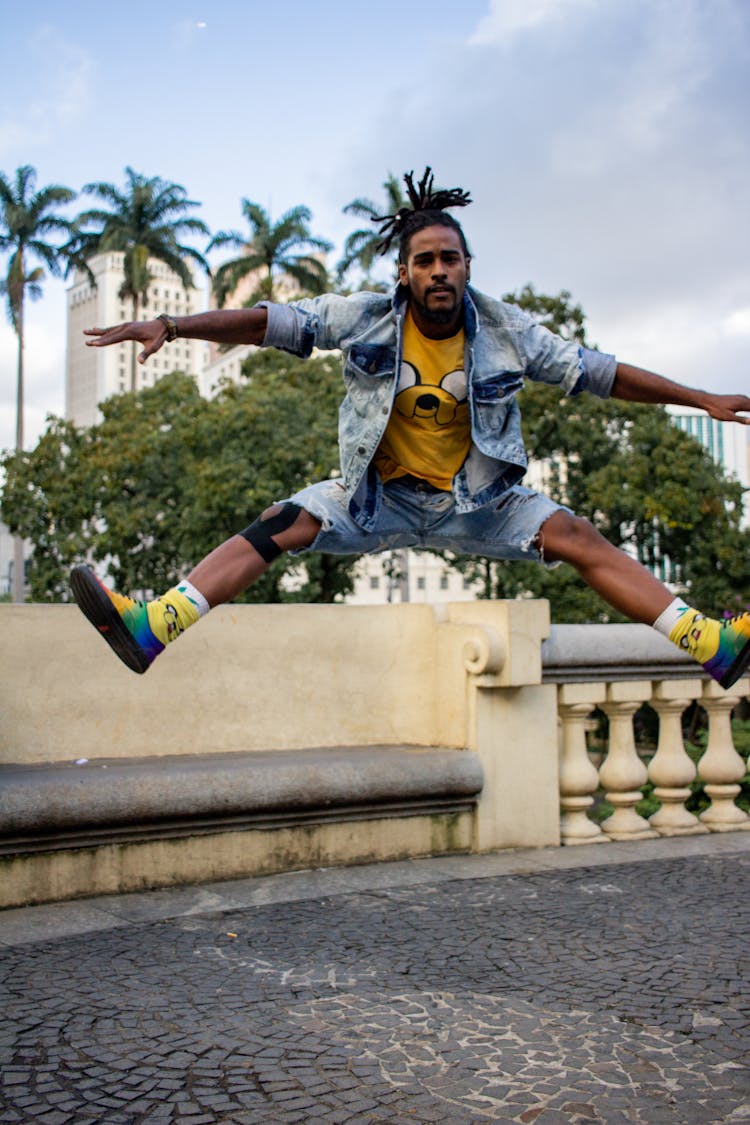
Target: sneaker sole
<point>740,665</point>
<point>96,606</point>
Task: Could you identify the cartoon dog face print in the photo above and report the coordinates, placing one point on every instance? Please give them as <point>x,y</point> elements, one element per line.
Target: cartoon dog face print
<point>424,401</point>
<point>692,638</point>
<point>172,621</point>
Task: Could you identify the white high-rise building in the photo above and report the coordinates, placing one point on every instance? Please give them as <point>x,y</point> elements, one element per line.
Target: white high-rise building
<point>93,374</point>
<point>725,441</point>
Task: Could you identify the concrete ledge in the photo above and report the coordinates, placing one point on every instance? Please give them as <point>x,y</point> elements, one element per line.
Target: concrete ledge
<point>63,804</point>
<point>582,653</point>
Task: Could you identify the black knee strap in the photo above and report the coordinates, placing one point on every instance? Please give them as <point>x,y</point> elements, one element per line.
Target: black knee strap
<point>259,534</point>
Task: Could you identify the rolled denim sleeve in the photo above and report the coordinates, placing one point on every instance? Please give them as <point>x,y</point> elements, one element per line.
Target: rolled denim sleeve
<point>289,328</point>
<point>566,364</point>
<point>600,369</point>
<point>323,322</point>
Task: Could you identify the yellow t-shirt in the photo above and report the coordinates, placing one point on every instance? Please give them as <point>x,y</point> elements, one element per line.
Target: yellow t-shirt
<point>428,434</point>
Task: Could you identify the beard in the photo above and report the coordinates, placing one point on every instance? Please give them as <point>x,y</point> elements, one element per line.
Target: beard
<point>442,315</point>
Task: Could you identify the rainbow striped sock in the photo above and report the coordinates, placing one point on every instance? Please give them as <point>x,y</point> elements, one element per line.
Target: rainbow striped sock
<point>722,647</point>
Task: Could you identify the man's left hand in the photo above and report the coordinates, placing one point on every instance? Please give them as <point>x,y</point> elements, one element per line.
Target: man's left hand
<point>728,408</point>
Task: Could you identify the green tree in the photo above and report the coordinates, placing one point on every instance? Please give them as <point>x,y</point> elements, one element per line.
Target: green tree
<point>166,476</point>
<point>146,219</point>
<point>271,250</point>
<point>361,246</point>
<point>278,433</point>
<point>50,496</point>
<point>27,218</point>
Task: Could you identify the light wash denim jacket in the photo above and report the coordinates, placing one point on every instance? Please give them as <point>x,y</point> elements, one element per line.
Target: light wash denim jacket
<point>504,345</point>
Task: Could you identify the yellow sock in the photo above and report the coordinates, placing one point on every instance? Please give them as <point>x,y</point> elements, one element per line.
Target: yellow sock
<point>173,613</point>
<point>697,635</point>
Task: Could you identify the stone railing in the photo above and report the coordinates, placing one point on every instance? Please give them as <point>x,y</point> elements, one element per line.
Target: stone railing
<point>617,669</point>
<point>280,737</point>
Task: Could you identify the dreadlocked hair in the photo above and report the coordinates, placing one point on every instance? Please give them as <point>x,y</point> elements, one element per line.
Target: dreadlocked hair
<point>428,207</point>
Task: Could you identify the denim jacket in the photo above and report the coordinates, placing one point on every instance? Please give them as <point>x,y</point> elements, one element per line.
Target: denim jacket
<point>504,345</point>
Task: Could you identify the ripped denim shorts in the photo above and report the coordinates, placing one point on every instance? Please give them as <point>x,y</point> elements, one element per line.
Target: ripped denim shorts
<point>413,514</point>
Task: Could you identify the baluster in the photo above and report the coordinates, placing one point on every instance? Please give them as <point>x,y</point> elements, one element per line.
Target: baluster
<point>670,769</point>
<point>623,772</point>
<point>721,767</point>
<point>579,778</point>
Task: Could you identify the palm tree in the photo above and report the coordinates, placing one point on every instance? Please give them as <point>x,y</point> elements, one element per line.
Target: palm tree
<point>146,220</point>
<point>271,248</point>
<point>361,247</point>
<point>26,218</point>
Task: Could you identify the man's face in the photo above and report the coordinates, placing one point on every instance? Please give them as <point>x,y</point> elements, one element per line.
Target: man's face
<point>436,271</point>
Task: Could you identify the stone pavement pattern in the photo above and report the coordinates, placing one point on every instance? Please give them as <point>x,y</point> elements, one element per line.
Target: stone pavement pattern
<point>609,993</point>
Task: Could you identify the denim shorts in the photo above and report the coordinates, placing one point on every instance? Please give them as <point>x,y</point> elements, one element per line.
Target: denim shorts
<point>418,516</point>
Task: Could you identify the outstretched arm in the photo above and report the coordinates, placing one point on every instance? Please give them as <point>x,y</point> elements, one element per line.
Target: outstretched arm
<point>221,326</point>
<point>633,384</point>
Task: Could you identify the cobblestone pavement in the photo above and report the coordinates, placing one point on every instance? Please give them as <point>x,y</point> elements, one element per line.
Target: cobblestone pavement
<point>605,993</point>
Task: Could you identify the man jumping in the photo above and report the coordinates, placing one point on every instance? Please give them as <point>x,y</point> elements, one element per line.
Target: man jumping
<point>430,441</point>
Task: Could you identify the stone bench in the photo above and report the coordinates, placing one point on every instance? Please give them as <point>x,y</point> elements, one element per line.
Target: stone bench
<point>47,807</point>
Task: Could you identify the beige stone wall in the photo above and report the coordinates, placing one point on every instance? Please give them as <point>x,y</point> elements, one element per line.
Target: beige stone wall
<point>261,678</point>
<point>249,678</point>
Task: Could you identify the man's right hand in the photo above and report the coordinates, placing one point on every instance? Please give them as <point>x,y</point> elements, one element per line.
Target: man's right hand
<point>152,333</point>
<point>220,326</point>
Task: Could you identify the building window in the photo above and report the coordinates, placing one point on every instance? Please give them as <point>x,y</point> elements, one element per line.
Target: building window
<point>443,581</point>
<point>374,582</point>
<point>421,583</point>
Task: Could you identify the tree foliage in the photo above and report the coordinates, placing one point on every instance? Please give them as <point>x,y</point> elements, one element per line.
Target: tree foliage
<point>166,476</point>
<point>271,249</point>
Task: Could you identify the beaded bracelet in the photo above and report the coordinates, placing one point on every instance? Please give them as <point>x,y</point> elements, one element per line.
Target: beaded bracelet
<point>170,326</point>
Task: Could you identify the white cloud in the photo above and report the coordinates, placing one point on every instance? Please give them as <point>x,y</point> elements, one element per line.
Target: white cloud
<point>506,18</point>
<point>62,73</point>
<point>44,369</point>
<point>737,323</point>
<point>185,32</point>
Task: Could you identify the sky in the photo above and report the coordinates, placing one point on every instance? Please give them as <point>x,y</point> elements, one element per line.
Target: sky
<point>605,144</point>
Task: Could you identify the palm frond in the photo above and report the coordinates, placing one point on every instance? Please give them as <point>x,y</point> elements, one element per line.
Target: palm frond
<point>277,247</point>
<point>27,217</point>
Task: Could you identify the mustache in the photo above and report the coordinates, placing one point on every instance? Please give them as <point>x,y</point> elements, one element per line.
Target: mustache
<point>441,289</point>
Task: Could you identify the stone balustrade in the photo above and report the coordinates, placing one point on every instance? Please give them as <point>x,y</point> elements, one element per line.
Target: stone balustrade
<point>603,667</point>
<point>279,737</point>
